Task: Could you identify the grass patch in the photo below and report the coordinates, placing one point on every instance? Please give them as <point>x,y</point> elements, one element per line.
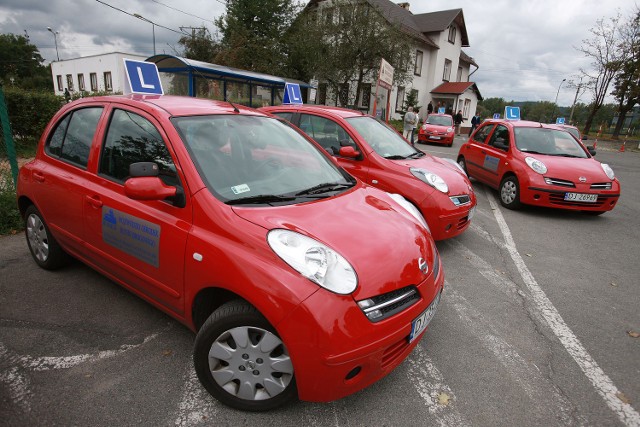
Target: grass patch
<point>10,220</point>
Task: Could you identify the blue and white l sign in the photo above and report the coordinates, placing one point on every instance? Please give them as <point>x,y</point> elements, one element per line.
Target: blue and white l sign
<point>560,121</point>
<point>143,77</point>
<point>512,113</point>
<point>292,94</point>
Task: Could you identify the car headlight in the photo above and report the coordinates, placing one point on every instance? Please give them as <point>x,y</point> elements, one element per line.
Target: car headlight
<point>430,178</point>
<point>607,169</point>
<point>449,130</point>
<point>410,208</point>
<point>536,165</point>
<point>314,260</point>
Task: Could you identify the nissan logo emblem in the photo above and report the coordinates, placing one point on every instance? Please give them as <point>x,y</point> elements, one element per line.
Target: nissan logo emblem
<point>583,179</point>
<point>422,264</point>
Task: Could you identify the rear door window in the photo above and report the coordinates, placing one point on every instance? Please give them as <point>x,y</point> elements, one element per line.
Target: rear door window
<point>71,141</point>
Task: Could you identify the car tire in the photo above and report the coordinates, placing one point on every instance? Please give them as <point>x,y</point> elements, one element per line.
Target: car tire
<point>510,193</point>
<point>241,361</point>
<point>463,165</point>
<point>44,248</point>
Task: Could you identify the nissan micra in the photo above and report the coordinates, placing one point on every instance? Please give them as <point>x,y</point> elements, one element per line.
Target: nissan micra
<point>299,280</point>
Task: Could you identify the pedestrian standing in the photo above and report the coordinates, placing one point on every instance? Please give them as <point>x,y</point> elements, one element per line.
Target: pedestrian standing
<point>416,126</point>
<point>430,108</point>
<point>475,121</point>
<point>409,123</point>
<point>457,120</point>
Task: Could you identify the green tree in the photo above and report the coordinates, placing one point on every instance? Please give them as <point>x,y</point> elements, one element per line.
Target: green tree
<point>21,64</point>
<point>490,106</point>
<point>627,82</point>
<point>343,42</point>
<point>200,45</point>
<point>412,100</point>
<point>252,34</point>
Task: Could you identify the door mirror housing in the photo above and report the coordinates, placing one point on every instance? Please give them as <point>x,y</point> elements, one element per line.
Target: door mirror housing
<point>349,152</point>
<point>591,150</point>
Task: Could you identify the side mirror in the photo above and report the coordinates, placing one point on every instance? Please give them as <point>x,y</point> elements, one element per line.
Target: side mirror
<point>349,152</point>
<point>145,184</point>
<point>591,150</point>
<point>584,137</point>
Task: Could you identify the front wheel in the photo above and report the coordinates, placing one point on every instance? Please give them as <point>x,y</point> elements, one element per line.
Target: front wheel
<point>510,193</point>
<point>241,361</point>
<point>463,165</point>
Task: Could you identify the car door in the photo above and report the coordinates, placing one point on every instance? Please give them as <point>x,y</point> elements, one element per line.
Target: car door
<point>497,151</point>
<point>475,152</point>
<point>331,135</point>
<point>61,175</point>
<point>141,243</point>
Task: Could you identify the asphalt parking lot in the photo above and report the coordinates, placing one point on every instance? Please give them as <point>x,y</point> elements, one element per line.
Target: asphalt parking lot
<point>537,326</point>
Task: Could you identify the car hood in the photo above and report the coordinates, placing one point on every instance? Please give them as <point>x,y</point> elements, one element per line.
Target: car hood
<point>378,237</point>
<point>572,169</point>
<point>456,180</point>
<point>437,128</point>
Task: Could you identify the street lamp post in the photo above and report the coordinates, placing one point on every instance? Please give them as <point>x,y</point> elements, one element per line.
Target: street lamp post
<point>55,40</point>
<point>153,29</point>
<point>555,103</point>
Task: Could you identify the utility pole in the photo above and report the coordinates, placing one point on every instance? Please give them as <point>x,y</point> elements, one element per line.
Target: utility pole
<point>575,99</point>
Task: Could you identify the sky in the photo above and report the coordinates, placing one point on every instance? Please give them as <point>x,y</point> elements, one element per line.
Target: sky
<point>524,49</point>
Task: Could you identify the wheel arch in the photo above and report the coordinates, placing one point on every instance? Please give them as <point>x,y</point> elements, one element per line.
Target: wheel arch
<point>208,300</point>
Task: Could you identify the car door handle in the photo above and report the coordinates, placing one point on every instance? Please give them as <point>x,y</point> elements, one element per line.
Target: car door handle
<point>94,201</point>
<point>483,152</point>
<point>38,176</point>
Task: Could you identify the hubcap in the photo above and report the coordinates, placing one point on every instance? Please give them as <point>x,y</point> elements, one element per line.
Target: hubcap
<point>508,192</point>
<point>38,239</point>
<point>250,363</point>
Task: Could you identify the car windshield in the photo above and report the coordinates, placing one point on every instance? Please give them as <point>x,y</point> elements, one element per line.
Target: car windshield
<point>573,131</point>
<point>547,141</point>
<point>384,140</point>
<point>439,120</point>
<point>258,160</point>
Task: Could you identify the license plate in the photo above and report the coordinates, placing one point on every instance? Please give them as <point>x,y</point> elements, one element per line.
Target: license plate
<point>581,197</point>
<point>421,322</point>
<point>435,137</point>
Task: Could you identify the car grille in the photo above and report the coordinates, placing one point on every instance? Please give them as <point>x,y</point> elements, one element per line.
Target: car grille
<point>462,222</point>
<point>383,306</point>
<point>460,200</point>
<point>560,182</point>
<point>394,351</point>
<point>601,186</point>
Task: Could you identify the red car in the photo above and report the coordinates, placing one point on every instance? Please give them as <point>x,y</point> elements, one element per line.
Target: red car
<point>538,164</point>
<point>245,231</point>
<point>437,129</point>
<point>378,155</point>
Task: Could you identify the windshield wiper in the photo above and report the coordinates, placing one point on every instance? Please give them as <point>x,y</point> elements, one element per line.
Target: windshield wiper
<point>417,155</point>
<point>396,157</point>
<point>324,188</point>
<point>569,155</point>
<point>259,199</point>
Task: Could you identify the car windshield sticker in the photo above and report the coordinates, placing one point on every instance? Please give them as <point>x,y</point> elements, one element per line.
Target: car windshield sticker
<point>239,189</point>
<point>491,163</point>
<point>135,236</point>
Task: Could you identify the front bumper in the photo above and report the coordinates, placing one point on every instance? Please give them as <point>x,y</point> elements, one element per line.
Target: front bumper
<point>436,139</point>
<point>538,193</point>
<point>337,351</point>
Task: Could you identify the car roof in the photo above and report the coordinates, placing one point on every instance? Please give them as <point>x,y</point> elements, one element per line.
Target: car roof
<point>519,123</point>
<point>338,111</point>
<point>175,105</point>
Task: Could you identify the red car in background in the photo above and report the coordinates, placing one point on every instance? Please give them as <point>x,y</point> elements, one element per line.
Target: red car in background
<point>245,231</point>
<point>372,151</point>
<point>538,164</point>
<point>437,129</point>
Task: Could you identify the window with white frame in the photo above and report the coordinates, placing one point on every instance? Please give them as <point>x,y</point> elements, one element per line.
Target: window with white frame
<point>459,76</point>
<point>108,86</point>
<point>59,81</point>
<point>465,110</point>
<point>81,82</point>
<point>452,34</point>
<point>446,75</point>
<point>70,82</point>
<point>400,99</point>
<point>365,95</point>
<point>94,82</point>
<point>417,67</point>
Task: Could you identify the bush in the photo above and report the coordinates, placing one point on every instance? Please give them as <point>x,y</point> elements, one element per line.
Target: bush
<point>10,220</point>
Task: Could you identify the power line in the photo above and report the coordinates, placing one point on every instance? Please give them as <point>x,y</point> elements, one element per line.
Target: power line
<point>186,13</point>
<point>134,15</point>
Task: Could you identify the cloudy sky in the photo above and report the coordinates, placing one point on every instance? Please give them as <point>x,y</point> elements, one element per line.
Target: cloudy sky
<point>524,48</point>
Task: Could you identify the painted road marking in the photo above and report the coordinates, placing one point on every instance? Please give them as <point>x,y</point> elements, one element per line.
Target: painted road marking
<point>601,382</point>
<point>196,405</point>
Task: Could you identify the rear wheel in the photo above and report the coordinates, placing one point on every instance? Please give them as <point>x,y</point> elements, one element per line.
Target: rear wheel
<point>510,192</point>
<point>463,165</point>
<point>241,361</point>
<point>43,246</point>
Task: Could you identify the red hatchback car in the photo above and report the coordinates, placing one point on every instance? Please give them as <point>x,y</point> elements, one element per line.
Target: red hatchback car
<point>245,231</point>
<point>538,164</point>
<point>378,155</point>
<point>437,129</point>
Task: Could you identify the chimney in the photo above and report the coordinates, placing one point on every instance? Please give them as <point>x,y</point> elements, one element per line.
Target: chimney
<point>404,5</point>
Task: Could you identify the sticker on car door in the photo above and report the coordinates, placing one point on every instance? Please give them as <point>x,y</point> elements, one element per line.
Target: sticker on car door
<point>491,163</point>
<point>135,236</point>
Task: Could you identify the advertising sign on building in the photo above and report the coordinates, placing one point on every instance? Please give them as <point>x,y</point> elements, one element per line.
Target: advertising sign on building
<point>385,79</point>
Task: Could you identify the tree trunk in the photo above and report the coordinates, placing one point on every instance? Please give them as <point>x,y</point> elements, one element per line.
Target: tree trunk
<point>622,115</point>
<point>587,126</point>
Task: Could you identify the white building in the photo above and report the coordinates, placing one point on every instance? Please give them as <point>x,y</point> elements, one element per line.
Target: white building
<point>441,70</point>
<point>96,73</point>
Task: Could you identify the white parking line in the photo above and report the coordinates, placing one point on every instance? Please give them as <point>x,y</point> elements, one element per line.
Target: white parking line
<point>196,405</point>
<point>429,384</point>
<point>601,382</point>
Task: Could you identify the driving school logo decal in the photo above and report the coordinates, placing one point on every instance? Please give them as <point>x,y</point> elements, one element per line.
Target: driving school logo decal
<point>130,234</point>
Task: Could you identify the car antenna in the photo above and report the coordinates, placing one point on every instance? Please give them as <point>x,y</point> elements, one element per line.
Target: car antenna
<point>234,107</point>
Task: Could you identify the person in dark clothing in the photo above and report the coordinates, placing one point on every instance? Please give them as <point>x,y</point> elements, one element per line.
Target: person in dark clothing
<point>475,121</point>
<point>457,120</point>
<point>430,108</point>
